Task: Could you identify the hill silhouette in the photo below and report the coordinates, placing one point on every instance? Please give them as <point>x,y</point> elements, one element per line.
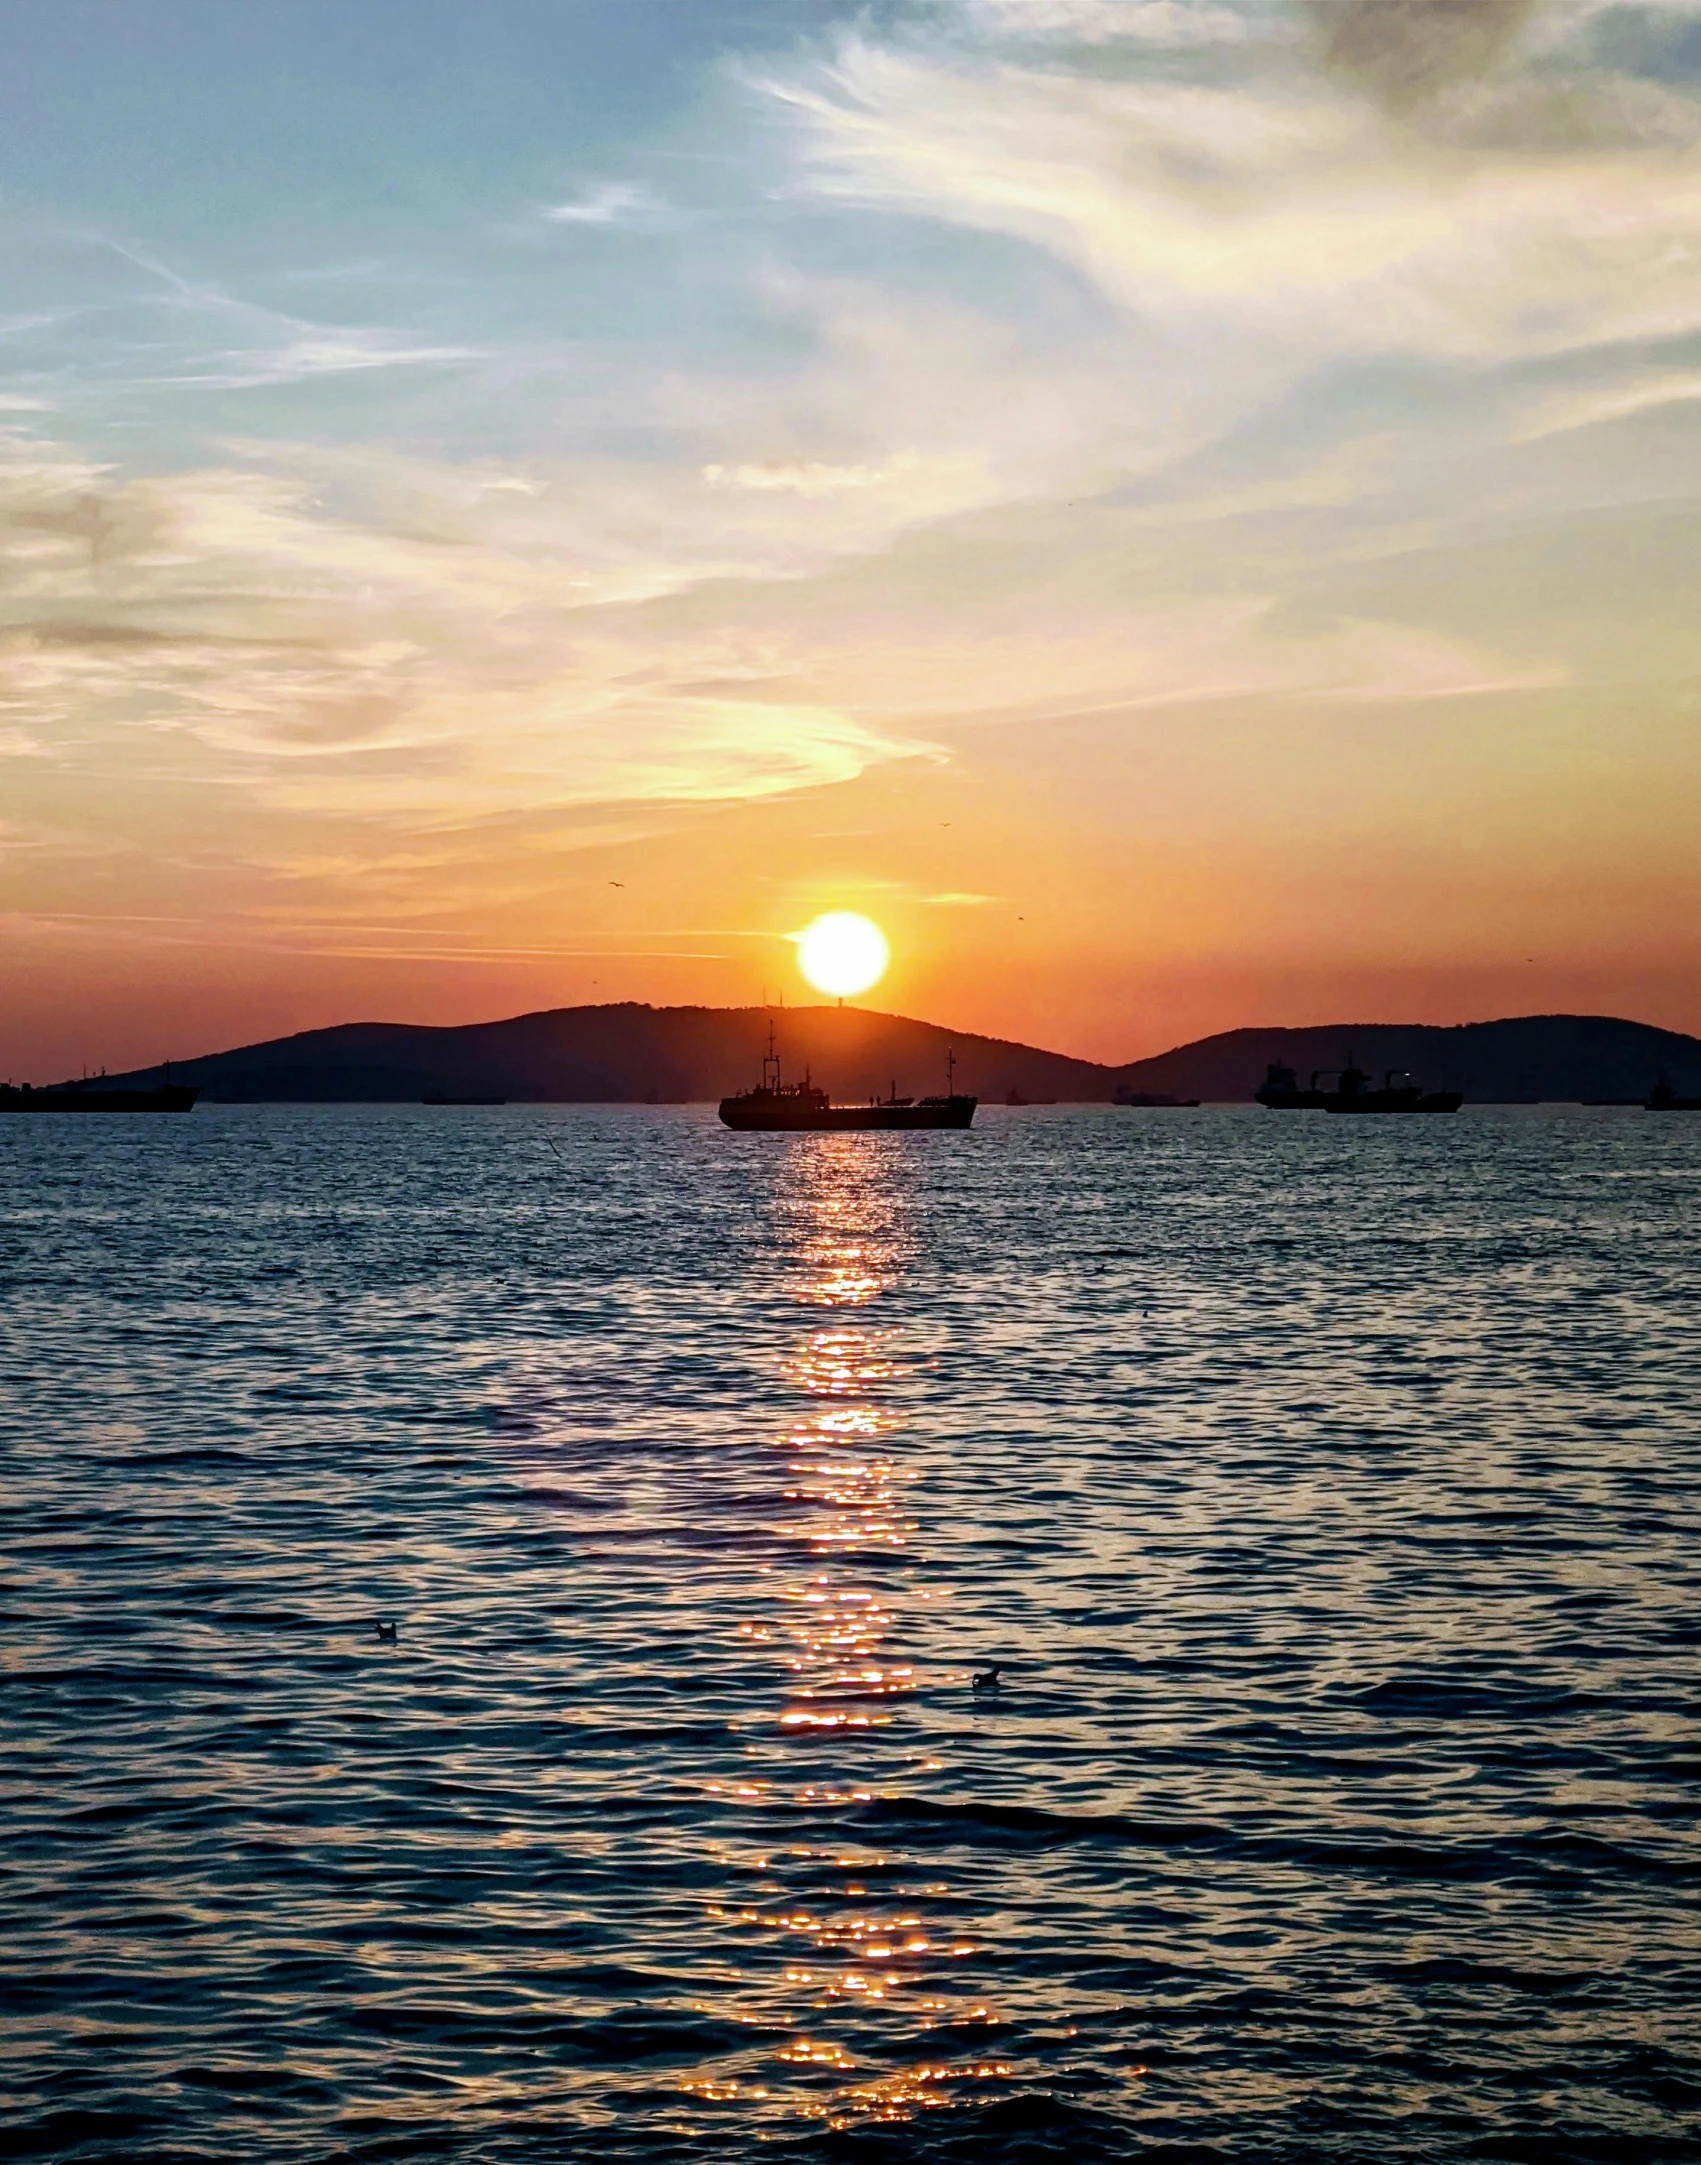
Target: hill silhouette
<point>631,1053</point>
<point>1521,1060</point>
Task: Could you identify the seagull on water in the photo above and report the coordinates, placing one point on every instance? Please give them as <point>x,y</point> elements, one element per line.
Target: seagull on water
<point>385,1631</point>
<point>987,1679</point>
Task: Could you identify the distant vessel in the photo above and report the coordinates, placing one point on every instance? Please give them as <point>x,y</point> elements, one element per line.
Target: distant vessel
<point>1281,1092</point>
<point>1122,1095</point>
<point>445,1097</point>
<point>795,1107</point>
<point>1664,1099</point>
<point>1354,1092</point>
<point>1013,1096</point>
<point>94,1097</point>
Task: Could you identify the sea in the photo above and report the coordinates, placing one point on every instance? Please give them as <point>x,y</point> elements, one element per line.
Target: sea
<point>1324,1491</point>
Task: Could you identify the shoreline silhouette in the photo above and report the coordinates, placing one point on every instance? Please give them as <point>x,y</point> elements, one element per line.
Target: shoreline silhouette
<point>629,1053</point>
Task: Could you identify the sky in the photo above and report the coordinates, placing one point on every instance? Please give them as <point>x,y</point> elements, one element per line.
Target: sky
<point>1181,510</point>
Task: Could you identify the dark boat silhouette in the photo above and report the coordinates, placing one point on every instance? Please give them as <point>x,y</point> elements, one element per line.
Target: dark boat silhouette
<point>91,1096</point>
<point>1354,1092</point>
<point>1664,1099</point>
<point>1122,1095</point>
<point>1281,1092</point>
<point>802,1108</point>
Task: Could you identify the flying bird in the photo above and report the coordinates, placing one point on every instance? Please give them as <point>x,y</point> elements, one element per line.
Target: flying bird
<point>617,883</point>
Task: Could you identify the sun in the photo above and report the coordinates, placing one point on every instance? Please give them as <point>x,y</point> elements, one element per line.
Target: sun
<point>842,954</point>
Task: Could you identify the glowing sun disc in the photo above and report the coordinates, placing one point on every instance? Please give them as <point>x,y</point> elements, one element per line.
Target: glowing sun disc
<point>842,954</point>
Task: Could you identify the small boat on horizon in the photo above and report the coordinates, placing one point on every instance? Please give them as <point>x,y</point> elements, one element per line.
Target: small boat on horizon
<point>802,1108</point>
<point>1664,1099</point>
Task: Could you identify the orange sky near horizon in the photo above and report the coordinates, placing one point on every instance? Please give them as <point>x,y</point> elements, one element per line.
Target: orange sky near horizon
<point>1050,902</point>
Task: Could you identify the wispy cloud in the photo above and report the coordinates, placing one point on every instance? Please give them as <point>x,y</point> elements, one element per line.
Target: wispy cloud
<point>1171,23</point>
<point>812,477</point>
<point>422,653</point>
<point>1590,406</point>
<point>320,354</point>
<point>229,341</point>
<point>616,203</point>
<point>1274,221</point>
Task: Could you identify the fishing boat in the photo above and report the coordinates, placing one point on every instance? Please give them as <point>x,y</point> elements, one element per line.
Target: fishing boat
<point>803,1108</point>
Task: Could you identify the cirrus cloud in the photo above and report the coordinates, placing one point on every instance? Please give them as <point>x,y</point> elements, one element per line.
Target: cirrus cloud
<point>1282,225</point>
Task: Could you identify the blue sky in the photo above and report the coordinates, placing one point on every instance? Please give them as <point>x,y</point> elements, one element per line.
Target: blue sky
<point>1240,448</point>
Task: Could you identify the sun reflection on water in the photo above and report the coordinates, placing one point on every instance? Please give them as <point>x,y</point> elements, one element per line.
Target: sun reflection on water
<point>854,1966</point>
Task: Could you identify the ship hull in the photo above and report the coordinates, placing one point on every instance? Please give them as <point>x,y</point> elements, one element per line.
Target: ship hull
<point>173,1098</point>
<point>782,1118</point>
<point>1361,1101</point>
<point>1396,1101</point>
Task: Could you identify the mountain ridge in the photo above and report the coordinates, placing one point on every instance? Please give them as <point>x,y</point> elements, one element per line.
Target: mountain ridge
<point>1518,1059</point>
<point>631,1052</point>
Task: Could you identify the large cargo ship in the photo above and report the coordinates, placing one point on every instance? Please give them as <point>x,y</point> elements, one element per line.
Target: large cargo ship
<point>1353,1092</point>
<point>802,1108</point>
<point>97,1097</point>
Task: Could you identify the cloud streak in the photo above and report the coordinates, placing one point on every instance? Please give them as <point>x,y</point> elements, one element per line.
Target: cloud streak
<point>614,204</point>
<point>447,653</point>
<point>1262,231</point>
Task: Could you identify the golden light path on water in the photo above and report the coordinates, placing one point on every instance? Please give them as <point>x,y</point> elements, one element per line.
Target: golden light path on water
<point>865,1963</point>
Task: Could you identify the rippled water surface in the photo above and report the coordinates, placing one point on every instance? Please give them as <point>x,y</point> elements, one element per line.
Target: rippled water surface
<point>1327,1490</point>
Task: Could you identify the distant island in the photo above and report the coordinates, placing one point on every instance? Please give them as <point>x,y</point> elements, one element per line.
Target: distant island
<point>632,1054</point>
